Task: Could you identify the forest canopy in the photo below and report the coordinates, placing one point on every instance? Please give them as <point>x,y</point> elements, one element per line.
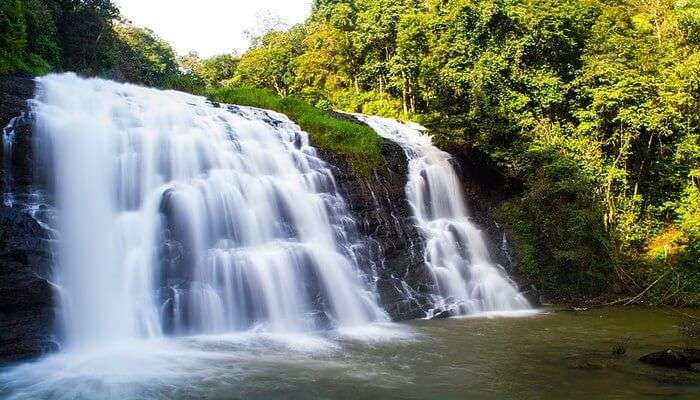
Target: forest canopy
<point>593,105</point>
<point>85,36</point>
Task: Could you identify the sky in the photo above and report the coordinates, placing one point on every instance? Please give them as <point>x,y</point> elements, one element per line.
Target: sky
<point>209,27</point>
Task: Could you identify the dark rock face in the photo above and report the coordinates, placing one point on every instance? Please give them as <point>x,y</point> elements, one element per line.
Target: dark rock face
<point>688,358</point>
<point>14,93</point>
<point>378,202</point>
<point>26,296</point>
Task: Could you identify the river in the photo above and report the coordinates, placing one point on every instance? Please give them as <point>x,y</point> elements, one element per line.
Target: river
<point>550,355</point>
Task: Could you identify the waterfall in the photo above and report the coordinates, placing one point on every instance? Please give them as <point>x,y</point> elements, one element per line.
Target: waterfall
<point>179,216</point>
<point>8,142</point>
<point>455,251</point>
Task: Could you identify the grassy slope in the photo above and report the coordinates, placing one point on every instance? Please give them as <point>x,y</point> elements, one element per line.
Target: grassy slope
<point>357,143</point>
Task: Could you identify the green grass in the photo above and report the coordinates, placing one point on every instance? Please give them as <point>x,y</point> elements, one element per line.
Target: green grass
<point>358,144</point>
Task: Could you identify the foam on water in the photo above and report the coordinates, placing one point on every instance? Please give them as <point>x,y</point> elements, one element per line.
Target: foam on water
<point>164,367</point>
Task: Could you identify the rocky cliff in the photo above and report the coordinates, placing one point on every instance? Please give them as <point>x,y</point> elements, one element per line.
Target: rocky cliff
<point>378,202</point>
<point>26,296</point>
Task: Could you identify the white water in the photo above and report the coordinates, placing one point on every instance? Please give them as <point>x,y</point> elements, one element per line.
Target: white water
<point>455,251</point>
<point>8,142</point>
<point>251,364</point>
<point>179,217</point>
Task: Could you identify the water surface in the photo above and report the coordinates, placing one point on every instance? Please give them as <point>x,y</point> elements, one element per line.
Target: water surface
<point>554,355</point>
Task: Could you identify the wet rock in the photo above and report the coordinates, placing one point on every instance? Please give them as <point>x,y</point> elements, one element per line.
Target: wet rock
<point>400,305</point>
<point>686,358</point>
<point>451,308</point>
<point>534,296</point>
<point>378,202</point>
<point>26,349</point>
<point>15,91</point>
<point>24,243</point>
<point>26,297</point>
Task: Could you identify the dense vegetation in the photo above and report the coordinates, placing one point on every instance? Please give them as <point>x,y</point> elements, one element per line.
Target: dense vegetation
<point>85,36</point>
<point>358,144</point>
<point>594,105</point>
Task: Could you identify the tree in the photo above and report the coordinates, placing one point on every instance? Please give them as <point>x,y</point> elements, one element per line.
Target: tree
<point>218,69</point>
<point>143,57</point>
<point>86,35</point>
<point>13,35</point>
<point>269,64</point>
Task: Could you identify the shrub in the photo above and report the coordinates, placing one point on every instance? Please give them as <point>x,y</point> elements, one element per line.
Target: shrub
<point>358,144</point>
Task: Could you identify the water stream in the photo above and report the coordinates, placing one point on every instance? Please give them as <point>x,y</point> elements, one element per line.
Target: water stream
<point>455,251</point>
<point>551,355</point>
<point>181,217</point>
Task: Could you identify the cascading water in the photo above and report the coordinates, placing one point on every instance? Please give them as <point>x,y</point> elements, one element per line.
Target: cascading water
<point>181,217</point>
<point>8,142</point>
<point>455,251</point>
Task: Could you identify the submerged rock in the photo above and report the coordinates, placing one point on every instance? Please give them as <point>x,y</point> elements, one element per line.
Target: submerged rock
<point>687,358</point>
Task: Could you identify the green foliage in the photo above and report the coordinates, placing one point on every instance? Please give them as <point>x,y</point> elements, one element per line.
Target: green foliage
<point>188,83</point>
<point>13,36</point>
<point>557,221</point>
<point>218,69</point>
<point>84,36</point>
<point>27,37</point>
<point>42,49</point>
<point>371,103</point>
<point>268,64</point>
<point>593,104</point>
<point>356,143</point>
<point>143,57</point>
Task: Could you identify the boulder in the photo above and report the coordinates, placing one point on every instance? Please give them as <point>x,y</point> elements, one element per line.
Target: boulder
<point>451,308</point>
<point>686,358</point>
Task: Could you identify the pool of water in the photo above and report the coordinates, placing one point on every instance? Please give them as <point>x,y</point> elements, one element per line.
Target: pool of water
<point>553,355</point>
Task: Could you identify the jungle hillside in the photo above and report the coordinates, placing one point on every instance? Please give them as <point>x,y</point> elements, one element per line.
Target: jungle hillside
<point>592,106</point>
